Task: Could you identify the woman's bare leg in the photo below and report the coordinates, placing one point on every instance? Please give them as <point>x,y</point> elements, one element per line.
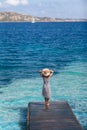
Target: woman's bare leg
<point>47,103</point>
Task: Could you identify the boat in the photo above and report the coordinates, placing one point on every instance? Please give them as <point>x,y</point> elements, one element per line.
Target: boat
<point>33,20</point>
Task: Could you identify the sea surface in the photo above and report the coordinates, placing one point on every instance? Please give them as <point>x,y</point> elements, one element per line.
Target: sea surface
<point>26,48</point>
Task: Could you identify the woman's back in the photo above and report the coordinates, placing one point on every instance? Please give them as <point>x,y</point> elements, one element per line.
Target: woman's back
<point>46,91</point>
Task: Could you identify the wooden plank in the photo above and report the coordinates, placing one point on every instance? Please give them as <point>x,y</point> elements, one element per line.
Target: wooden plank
<point>58,117</point>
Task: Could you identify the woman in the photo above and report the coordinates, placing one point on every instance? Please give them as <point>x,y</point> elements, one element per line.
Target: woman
<point>46,91</point>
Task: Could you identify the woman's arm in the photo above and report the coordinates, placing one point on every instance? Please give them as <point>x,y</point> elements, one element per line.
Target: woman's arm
<point>51,72</point>
<point>41,73</point>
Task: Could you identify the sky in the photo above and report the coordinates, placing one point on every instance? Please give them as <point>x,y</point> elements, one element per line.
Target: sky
<point>47,8</point>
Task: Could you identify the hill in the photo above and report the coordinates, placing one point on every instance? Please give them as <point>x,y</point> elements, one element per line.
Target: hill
<point>16,17</point>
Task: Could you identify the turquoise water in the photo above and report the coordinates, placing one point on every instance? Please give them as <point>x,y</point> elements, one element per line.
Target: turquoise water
<point>25,48</point>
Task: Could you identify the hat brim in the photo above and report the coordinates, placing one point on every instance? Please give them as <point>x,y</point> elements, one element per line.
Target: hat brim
<point>48,74</point>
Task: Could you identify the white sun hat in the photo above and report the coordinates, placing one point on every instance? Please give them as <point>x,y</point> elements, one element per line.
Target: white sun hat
<point>46,72</point>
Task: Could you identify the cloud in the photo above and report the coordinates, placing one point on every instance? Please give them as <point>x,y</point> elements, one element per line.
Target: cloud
<point>0,4</point>
<point>15,2</point>
<point>24,2</point>
<point>12,2</point>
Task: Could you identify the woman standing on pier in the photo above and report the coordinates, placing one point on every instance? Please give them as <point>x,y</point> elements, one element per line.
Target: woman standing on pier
<point>46,91</point>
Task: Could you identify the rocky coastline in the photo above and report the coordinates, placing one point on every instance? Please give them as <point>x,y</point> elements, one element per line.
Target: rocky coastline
<point>17,17</point>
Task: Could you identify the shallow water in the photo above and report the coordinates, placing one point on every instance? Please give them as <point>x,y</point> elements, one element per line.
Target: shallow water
<point>25,49</point>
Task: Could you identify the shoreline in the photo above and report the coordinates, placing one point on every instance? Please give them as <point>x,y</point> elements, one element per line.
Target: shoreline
<point>17,17</point>
<point>40,22</point>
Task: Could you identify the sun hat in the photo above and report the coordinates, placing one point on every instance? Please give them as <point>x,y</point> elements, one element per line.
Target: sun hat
<point>46,72</point>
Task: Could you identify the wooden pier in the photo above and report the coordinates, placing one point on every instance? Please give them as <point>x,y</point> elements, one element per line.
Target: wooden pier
<point>58,117</point>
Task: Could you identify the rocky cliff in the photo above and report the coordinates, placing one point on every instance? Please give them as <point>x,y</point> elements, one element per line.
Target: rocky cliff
<point>16,17</point>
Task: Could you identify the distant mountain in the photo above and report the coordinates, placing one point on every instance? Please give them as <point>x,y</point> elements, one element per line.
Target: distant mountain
<point>16,17</point>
